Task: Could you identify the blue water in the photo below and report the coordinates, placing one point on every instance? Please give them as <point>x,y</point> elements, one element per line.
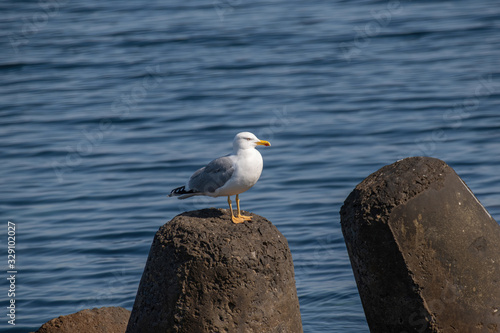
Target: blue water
<point>106,106</point>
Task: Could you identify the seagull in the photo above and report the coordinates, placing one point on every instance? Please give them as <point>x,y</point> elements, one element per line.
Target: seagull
<point>228,175</point>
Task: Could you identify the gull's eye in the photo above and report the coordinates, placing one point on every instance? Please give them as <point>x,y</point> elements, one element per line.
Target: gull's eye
<point>248,139</point>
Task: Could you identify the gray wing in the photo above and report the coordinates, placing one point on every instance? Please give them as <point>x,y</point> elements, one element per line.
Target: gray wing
<point>212,176</point>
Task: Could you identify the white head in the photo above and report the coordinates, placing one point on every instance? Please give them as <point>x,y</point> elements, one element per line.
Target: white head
<point>247,140</point>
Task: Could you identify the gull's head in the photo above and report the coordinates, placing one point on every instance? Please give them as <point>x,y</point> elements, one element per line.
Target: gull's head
<point>247,140</point>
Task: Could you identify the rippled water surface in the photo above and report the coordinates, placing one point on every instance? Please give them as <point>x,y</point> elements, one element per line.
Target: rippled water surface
<point>107,105</point>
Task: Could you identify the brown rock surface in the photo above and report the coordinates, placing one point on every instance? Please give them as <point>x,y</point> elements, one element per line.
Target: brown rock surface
<point>424,251</point>
<point>102,320</point>
<point>207,274</point>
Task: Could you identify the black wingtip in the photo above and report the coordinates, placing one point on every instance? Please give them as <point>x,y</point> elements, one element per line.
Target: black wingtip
<point>180,191</point>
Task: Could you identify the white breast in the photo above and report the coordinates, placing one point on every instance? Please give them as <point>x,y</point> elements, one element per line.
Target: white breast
<point>248,168</point>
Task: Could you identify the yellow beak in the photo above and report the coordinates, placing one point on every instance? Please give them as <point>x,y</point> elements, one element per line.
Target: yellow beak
<point>263,143</point>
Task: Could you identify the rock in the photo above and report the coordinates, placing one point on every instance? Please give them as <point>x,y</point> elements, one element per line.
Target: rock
<point>423,249</point>
<point>207,274</point>
<point>102,320</point>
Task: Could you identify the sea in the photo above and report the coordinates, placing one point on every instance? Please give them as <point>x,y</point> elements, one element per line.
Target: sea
<point>105,106</point>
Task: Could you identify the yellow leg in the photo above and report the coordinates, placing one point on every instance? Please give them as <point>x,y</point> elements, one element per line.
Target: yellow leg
<point>235,219</point>
<point>244,217</point>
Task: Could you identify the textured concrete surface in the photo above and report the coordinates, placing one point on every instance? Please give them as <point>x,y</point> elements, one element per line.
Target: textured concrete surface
<point>102,320</point>
<point>207,274</point>
<point>424,251</point>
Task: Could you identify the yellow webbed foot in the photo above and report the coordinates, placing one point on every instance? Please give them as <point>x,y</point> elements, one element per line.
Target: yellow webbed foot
<point>238,219</point>
<point>245,217</point>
